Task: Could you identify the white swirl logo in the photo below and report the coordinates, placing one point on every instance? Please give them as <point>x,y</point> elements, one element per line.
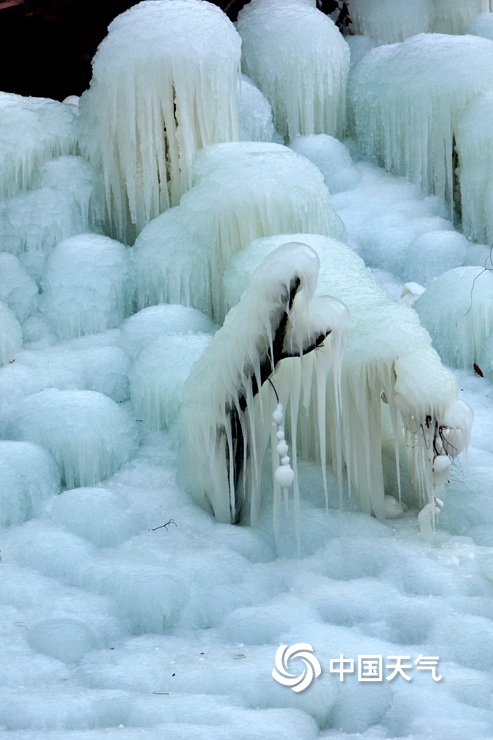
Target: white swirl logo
<point>312,666</point>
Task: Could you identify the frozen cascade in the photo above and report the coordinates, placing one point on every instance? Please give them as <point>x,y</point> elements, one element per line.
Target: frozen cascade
<point>242,191</point>
<point>454,16</point>
<point>172,66</point>
<point>457,310</point>
<point>88,434</point>
<point>227,405</point>
<point>389,21</point>
<point>32,131</point>
<point>295,53</point>
<point>482,25</point>
<point>394,387</point>
<point>255,113</point>
<point>474,142</point>
<point>405,100</point>
<point>10,335</point>
<point>87,285</point>
<point>17,289</point>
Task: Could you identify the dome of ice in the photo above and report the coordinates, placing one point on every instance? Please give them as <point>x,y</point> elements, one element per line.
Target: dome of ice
<point>172,66</point>
<point>294,52</point>
<point>88,434</point>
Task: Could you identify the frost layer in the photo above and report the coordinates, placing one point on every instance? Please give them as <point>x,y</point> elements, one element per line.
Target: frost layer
<point>89,435</point>
<point>242,191</point>
<point>86,285</point>
<point>163,86</point>
<point>300,61</point>
<point>405,100</point>
<point>394,390</point>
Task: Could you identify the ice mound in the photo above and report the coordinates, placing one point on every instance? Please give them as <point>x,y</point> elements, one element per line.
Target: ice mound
<point>86,285</point>
<point>299,59</point>
<point>158,374</point>
<point>153,322</point>
<point>255,113</point>
<point>10,335</point>
<point>172,65</point>
<point>433,252</point>
<point>17,289</point>
<point>405,100</point>
<point>64,639</point>
<point>388,21</point>
<point>454,16</point>
<point>32,131</point>
<point>242,191</point>
<point>393,385</point>
<point>482,25</point>
<point>28,475</point>
<point>89,435</point>
<point>457,310</point>
<point>474,143</point>
<point>96,514</point>
<point>331,157</point>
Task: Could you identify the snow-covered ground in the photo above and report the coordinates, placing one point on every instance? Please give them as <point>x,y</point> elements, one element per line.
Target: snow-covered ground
<point>129,612</point>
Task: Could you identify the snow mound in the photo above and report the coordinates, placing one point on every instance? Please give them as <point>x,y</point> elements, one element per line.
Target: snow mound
<point>32,131</point>
<point>10,335</point>
<point>332,159</point>
<point>457,310</point>
<point>89,435</point>
<point>255,113</point>
<point>158,374</point>
<point>242,191</point>
<point>86,285</point>
<point>405,100</point>
<point>388,21</point>
<point>96,514</point>
<point>64,639</point>
<point>300,61</point>
<point>153,322</point>
<point>17,289</point>
<point>433,252</point>
<point>28,475</point>
<point>474,144</point>
<point>172,65</point>
<point>391,378</point>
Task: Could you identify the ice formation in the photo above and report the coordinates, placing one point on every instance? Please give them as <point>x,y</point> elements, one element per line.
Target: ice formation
<point>394,390</point>
<point>28,476</point>
<point>433,252</point>
<point>474,143</point>
<point>331,157</point>
<point>300,61</point>
<point>88,434</point>
<point>388,21</point>
<point>482,25</point>
<point>171,66</point>
<point>10,335</point>
<point>87,285</point>
<point>457,310</point>
<point>32,131</point>
<point>242,191</point>
<point>158,374</point>
<point>226,411</point>
<point>145,326</point>
<point>255,113</point>
<point>454,16</point>
<point>17,289</point>
<point>405,100</point>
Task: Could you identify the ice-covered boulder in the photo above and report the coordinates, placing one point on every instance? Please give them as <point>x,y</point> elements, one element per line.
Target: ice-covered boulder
<point>388,21</point>
<point>433,252</point>
<point>242,191</point>
<point>158,374</point>
<point>457,310</point>
<point>88,434</point>
<point>163,86</point>
<point>255,113</point>
<point>405,100</point>
<point>300,61</point>
<point>63,638</point>
<point>331,157</point>
<point>17,289</point>
<point>10,335</point>
<point>153,322</point>
<point>28,476</point>
<point>32,131</point>
<point>393,386</point>
<point>87,285</point>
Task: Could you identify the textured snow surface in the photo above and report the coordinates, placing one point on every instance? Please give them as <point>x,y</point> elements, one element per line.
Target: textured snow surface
<point>293,51</point>
<point>172,66</point>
